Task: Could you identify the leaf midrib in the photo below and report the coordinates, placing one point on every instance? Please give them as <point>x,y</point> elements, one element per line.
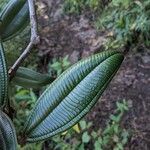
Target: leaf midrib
<point>102,89</point>
<point>49,111</point>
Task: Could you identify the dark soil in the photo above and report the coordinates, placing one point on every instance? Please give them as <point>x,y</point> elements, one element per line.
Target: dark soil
<point>130,83</point>
<point>76,36</point>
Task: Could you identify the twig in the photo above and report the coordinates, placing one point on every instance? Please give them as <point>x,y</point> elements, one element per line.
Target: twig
<point>34,40</point>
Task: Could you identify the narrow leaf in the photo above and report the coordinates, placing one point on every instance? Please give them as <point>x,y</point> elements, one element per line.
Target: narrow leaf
<point>3,77</point>
<point>71,95</point>
<point>31,79</point>
<point>8,138</point>
<point>14,17</point>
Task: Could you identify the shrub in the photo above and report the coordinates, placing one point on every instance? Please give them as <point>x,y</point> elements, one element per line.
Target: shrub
<point>66,100</point>
<point>128,19</point>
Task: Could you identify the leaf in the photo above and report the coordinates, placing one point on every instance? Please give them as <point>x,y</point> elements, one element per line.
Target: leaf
<point>33,96</point>
<point>66,62</point>
<point>120,146</point>
<point>81,147</point>
<point>14,17</point>
<point>57,65</point>
<point>31,79</point>
<point>76,128</point>
<point>85,137</point>
<point>94,134</point>
<point>8,140</point>
<point>125,136</point>
<point>64,133</point>
<point>3,78</point>
<point>71,95</point>
<point>116,128</point>
<point>89,125</point>
<point>97,145</point>
<point>83,124</point>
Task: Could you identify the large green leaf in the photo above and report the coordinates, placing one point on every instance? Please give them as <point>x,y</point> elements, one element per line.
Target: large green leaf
<point>31,79</point>
<point>72,95</point>
<point>8,140</point>
<point>3,77</point>
<point>14,18</point>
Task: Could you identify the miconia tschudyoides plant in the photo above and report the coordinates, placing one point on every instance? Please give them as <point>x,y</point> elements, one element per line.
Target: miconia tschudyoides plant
<point>72,95</point>
<point>67,99</point>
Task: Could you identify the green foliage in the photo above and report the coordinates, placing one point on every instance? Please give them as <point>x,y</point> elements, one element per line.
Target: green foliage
<point>3,78</point>
<point>2,4</point>
<point>23,101</point>
<point>14,18</point>
<point>31,79</point>
<point>8,138</point>
<point>59,65</point>
<point>77,6</point>
<point>68,96</point>
<point>35,146</point>
<point>113,133</point>
<point>64,102</point>
<point>85,137</point>
<point>128,19</point>
<point>13,47</point>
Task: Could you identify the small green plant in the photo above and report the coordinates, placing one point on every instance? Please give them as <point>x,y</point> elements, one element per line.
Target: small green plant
<point>64,102</point>
<point>114,136</point>
<point>77,6</point>
<point>59,65</point>
<point>128,19</point>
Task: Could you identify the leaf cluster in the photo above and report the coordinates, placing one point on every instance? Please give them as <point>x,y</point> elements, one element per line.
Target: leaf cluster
<point>78,6</point>
<point>129,20</point>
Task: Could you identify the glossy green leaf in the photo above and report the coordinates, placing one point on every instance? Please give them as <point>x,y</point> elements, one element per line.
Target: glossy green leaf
<point>31,79</point>
<point>3,77</point>
<point>8,140</point>
<point>71,95</point>
<point>14,18</point>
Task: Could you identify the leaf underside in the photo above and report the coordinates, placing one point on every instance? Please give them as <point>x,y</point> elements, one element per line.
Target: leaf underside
<point>8,139</point>
<point>31,79</point>
<point>72,95</point>
<point>15,18</point>
<point>3,77</point>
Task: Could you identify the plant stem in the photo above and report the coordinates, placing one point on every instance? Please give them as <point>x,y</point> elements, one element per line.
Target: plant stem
<point>34,40</point>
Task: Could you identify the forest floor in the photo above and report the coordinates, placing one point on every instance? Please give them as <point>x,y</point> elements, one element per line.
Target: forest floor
<point>76,36</point>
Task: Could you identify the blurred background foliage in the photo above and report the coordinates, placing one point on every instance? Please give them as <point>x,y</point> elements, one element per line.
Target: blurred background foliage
<point>128,19</point>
